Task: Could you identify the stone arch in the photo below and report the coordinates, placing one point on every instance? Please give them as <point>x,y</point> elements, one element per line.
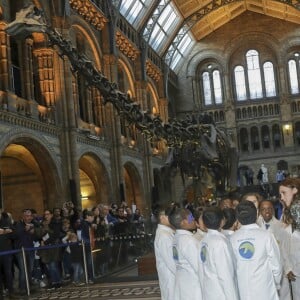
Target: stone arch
<point>95,185</point>
<point>29,164</point>
<point>154,98</point>
<point>202,56</point>
<point>129,77</point>
<point>133,191</point>
<point>287,46</point>
<point>79,25</point>
<point>250,40</point>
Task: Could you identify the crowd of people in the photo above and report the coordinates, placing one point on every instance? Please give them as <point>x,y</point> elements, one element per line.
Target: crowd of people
<point>239,249</point>
<point>57,247</point>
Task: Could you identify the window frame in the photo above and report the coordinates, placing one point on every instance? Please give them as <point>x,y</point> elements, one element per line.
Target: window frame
<point>213,95</point>
<point>296,58</point>
<point>259,66</point>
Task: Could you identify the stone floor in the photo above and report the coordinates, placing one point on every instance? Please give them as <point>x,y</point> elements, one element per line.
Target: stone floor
<point>124,284</point>
<point>143,290</point>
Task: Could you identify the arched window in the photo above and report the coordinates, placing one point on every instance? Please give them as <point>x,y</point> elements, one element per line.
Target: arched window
<point>276,136</point>
<point>297,133</point>
<point>240,84</point>
<point>217,87</point>
<point>255,111</point>
<point>254,76</point>
<point>249,112</point>
<point>293,75</point>
<point>206,88</point>
<point>244,112</point>
<point>244,140</point>
<point>269,79</point>
<point>255,138</point>
<point>254,81</point>
<point>16,72</point>
<point>222,117</point>
<point>212,85</point>
<point>265,135</point>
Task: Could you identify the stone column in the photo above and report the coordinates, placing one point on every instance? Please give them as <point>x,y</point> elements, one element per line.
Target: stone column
<point>110,69</point>
<point>148,180</point>
<point>28,67</point>
<point>4,74</point>
<point>46,74</point>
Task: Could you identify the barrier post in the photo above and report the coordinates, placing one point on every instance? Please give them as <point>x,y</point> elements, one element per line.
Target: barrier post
<point>84,262</point>
<point>25,270</point>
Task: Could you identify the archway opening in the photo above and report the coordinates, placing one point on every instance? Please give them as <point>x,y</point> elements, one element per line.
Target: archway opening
<point>26,179</point>
<point>94,182</point>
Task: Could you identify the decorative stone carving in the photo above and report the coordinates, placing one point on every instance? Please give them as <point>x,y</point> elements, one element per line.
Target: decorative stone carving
<point>89,12</point>
<point>126,47</point>
<point>152,71</point>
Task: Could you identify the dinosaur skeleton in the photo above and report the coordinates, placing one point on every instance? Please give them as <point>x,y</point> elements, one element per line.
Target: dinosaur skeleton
<point>195,139</point>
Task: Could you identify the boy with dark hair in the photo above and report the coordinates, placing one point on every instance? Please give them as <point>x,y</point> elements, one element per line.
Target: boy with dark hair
<point>230,223</point>
<point>217,259</point>
<point>257,257</point>
<point>186,255</point>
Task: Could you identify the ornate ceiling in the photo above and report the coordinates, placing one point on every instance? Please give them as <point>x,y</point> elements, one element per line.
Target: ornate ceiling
<point>205,16</point>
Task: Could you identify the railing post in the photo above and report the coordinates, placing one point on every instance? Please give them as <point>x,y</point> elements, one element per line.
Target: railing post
<point>84,262</point>
<point>25,270</point>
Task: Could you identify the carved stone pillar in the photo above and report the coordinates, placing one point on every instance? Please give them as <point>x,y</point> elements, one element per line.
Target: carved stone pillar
<point>141,95</point>
<point>228,97</point>
<point>250,144</point>
<point>4,74</point>
<point>46,75</point>
<point>271,139</point>
<point>113,129</point>
<point>28,64</point>
<point>69,135</point>
<point>148,180</point>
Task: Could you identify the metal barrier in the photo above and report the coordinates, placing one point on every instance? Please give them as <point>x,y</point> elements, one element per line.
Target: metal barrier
<point>112,252</point>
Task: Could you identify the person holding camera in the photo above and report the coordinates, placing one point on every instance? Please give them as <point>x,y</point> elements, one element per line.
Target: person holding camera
<point>25,234</point>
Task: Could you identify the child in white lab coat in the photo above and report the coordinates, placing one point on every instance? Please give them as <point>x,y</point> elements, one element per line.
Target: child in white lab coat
<point>257,257</point>
<point>165,264</point>
<point>217,259</point>
<point>186,255</point>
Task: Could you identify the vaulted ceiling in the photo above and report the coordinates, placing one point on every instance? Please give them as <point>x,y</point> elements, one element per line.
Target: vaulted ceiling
<point>205,16</point>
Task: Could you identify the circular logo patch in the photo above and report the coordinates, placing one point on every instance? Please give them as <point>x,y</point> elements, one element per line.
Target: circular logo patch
<point>203,254</point>
<point>246,250</point>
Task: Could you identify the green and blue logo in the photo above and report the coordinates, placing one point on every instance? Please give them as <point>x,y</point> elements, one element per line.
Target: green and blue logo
<point>246,250</point>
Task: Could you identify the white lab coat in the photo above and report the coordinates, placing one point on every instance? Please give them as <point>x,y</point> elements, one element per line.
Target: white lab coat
<point>282,237</point>
<point>186,253</point>
<point>199,234</point>
<point>292,263</point>
<point>275,225</point>
<point>259,268</point>
<point>227,232</point>
<point>165,264</point>
<point>218,267</point>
